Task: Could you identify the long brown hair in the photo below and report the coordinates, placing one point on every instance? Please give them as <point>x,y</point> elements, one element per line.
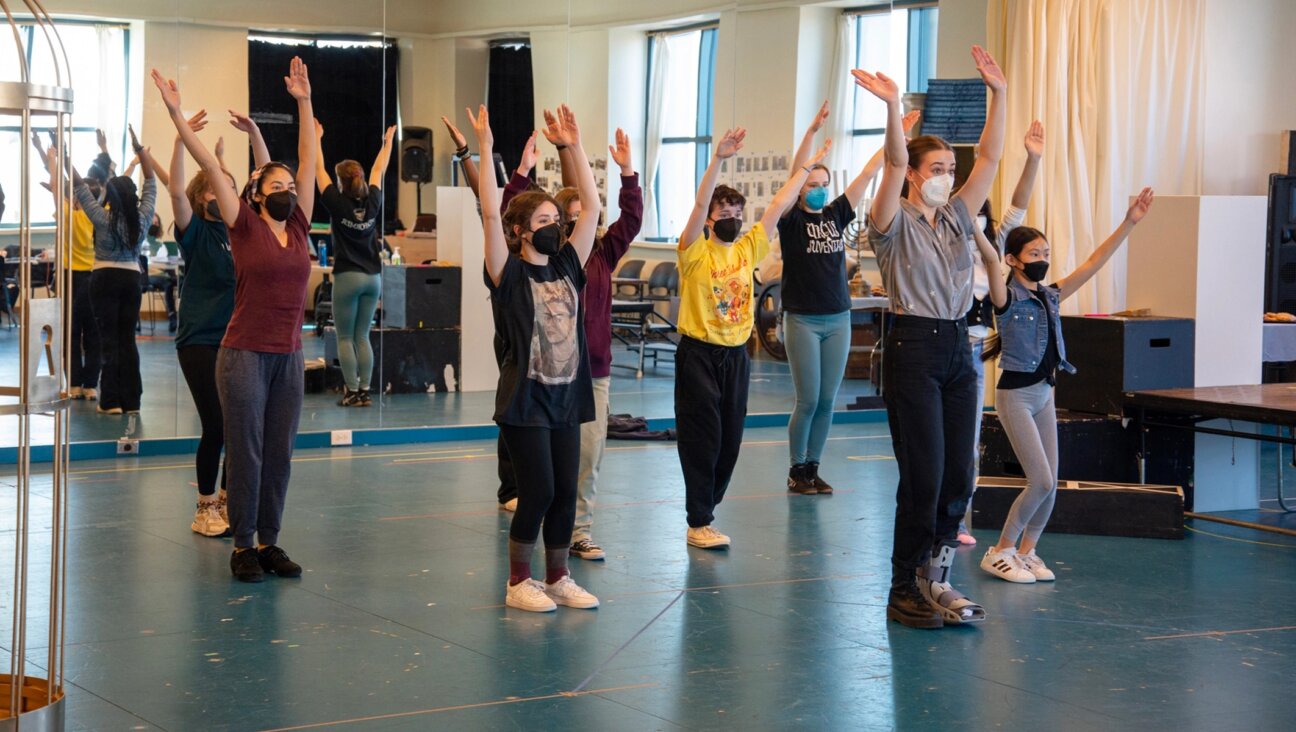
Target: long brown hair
<point>198,185</point>
<point>351,180</point>
<point>519,214</point>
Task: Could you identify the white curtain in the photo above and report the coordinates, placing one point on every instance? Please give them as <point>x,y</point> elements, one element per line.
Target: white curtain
<point>842,105</point>
<point>653,131</point>
<point>1118,85</point>
<point>110,74</point>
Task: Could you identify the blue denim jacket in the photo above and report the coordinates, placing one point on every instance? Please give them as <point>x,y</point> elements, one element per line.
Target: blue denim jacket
<point>1023,330</point>
<point>111,246</point>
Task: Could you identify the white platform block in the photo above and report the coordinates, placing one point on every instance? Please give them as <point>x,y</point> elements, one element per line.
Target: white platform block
<point>460,239</point>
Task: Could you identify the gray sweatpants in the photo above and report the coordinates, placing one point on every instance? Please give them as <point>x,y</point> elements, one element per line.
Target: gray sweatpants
<point>261,397</point>
<point>1030,419</point>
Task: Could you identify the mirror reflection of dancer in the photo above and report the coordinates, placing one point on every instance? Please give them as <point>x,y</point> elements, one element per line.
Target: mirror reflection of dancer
<point>354,207</point>
<point>609,247</point>
<point>206,305</point>
<point>922,243</point>
<point>544,392</point>
<point>259,369</point>
<point>817,303</point>
<point>1030,331</point>
<point>712,368</point>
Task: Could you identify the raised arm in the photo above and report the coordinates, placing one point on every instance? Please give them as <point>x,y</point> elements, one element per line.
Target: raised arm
<point>1069,285</point>
<point>148,165</point>
<point>466,164</point>
<point>728,146</point>
<point>488,193</point>
<point>1034,151</point>
<point>895,153</point>
<point>990,148</point>
<point>298,83</point>
<point>226,197</point>
<point>990,257</point>
<point>582,236</point>
<point>566,157</point>
<point>379,169</point>
<point>787,195</point>
<point>322,179</point>
<point>180,207</point>
<point>621,233</point>
<point>806,147</point>
<point>520,181</point>
<point>244,123</point>
<point>855,191</point>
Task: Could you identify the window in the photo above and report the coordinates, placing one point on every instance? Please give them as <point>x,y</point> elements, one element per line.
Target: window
<point>684,123</point>
<point>98,56</point>
<point>902,42</point>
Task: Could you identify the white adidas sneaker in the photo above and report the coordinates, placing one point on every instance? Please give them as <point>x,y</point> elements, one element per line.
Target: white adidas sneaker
<point>1006,565</point>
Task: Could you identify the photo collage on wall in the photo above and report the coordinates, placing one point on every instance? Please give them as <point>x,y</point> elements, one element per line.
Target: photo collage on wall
<point>548,175</point>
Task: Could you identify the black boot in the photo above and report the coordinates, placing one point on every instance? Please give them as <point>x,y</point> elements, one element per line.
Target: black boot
<point>812,473</point>
<point>799,482</point>
<point>907,606</point>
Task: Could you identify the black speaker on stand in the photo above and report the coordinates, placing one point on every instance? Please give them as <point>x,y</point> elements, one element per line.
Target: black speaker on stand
<point>1280,249</point>
<point>416,159</point>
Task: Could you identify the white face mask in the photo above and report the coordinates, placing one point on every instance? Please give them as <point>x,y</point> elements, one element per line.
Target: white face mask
<point>981,223</point>
<point>936,190</point>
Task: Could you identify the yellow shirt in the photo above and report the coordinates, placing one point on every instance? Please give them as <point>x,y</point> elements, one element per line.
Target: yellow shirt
<point>82,242</point>
<point>716,287</point>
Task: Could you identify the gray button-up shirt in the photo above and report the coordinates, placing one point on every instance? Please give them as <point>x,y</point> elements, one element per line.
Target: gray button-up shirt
<point>927,271</point>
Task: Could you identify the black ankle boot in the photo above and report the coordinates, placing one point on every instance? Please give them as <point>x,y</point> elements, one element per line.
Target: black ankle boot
<point>812,474</point>
<point>907,606</point>
<point>799,482</point>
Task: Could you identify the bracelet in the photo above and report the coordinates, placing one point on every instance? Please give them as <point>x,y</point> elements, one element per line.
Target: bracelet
<point>807,169</point>
<point>561,147</point>
<point>462,152</point>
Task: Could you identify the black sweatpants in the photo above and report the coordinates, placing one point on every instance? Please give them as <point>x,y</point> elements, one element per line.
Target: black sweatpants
<point>85,333</point>
<point>710,407</point>
<point>116,297</point>
<point>198,364</point>
<point>929,386</point>
<point>545,463</point>
<point>504,466</point>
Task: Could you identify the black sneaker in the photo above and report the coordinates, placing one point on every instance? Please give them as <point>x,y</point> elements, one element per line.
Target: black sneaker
<point>273,559</point>
<point>799,481</point>
<point>907,606</point>
<point>364,399</point>
<point>812,473</point>
<point>349,399</point>
<point>244,565</point>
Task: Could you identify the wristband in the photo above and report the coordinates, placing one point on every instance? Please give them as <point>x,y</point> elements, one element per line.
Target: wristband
<point>561,147</point>
<point>462,152</point>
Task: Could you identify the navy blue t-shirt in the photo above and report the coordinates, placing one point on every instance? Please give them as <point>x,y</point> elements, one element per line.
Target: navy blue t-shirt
<point>814,258</point>
<point>207,293</point>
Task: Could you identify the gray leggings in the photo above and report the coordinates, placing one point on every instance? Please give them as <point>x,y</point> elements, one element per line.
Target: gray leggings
<point>1030,419</point>
<point>261,398</point>
<point>355,298</point>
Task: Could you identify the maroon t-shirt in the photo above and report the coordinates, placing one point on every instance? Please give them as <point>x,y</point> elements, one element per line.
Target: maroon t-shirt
<point>270,284</point>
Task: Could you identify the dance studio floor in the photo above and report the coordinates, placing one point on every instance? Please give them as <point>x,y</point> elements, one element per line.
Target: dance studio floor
<point>397,623</point>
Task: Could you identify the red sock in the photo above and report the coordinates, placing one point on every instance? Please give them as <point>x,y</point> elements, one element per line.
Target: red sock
<point>519,572</point>
<point>553,574</point>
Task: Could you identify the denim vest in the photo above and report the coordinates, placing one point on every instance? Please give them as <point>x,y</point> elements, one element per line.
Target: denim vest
<point>1024,332</point>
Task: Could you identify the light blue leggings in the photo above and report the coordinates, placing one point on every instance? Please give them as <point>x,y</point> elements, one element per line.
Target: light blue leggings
<point>817,348</point>
<point>355,298</point>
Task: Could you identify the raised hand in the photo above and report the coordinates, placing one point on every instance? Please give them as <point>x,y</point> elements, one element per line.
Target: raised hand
<point>220,148</point>
<point>879,85</point>
<point>991,74</point>
<point>530,153</point>
<point>297,80</point>
<point>170,92</point>
<point>820,117</point>
<point>455,135</point>
<point>135,143</point>
<point>241,122</point>
<point>730,143</point>
<point>568,130</point>
<point>551,131</point>
<point>820,155</point>
<point>1035,139</point>
<point>1139,208</point>
<point>389,134</point>
<point>102,139</point>
<point>909,120</point>
<point>620,152</point>
<point>481,125</point>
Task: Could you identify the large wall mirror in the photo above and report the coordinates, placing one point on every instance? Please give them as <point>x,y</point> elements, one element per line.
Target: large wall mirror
<point>672,77</point>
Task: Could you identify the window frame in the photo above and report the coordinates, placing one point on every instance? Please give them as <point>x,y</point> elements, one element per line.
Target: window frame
<point>915,58</point>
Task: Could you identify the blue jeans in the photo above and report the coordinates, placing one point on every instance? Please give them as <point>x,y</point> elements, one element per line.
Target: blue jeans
<point>355,298</point>
<point>817,349</point>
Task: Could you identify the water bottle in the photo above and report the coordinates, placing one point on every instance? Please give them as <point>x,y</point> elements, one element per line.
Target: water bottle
<point>323,254</point>
<point>396,257</point>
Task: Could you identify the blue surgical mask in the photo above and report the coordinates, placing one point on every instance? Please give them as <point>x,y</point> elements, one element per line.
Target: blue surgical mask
<point>817,198</point>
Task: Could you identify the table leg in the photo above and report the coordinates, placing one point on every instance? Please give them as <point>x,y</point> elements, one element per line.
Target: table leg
<point>1282,500</point>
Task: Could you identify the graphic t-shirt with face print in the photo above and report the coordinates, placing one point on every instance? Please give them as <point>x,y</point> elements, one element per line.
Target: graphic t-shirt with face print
<point>814,258</point>
<point>544,364</point>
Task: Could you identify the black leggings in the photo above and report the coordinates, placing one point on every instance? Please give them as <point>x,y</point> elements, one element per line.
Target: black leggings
<point>198,363</point>
<point>545,463</point>
<point>85,333</point>
<point>115,294</point>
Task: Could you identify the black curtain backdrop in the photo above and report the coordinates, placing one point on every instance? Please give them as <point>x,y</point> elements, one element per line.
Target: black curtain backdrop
<point>347,93</point>
<point>511,101</point>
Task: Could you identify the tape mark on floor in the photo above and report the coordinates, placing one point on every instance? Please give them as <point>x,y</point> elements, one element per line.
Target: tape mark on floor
<point>1218,633</point>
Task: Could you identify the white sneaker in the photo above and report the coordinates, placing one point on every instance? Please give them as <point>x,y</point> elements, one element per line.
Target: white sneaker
<point>707,538</point>
<point>529,595</point>
<point>207,520</point>
<point>1006,565</point>
<point>510,505</point>
<point>566,592</point>
<point>1036,566</point>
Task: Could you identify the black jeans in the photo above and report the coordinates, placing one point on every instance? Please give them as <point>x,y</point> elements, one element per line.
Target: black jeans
<point>929,386</point>
<point>546,462</point>
<point>116,298</point>
<point>85,333</point>
<point>198,363</point>
<point>710,407</point>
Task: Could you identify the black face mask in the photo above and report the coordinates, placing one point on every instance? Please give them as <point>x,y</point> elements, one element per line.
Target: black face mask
<point>213,210</point>
<point>155,231</point>
<point>280,204</point>
<point>1035,271</point>
<point>571,226</point>
<point>727,229</point>
<point>547,239</point>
